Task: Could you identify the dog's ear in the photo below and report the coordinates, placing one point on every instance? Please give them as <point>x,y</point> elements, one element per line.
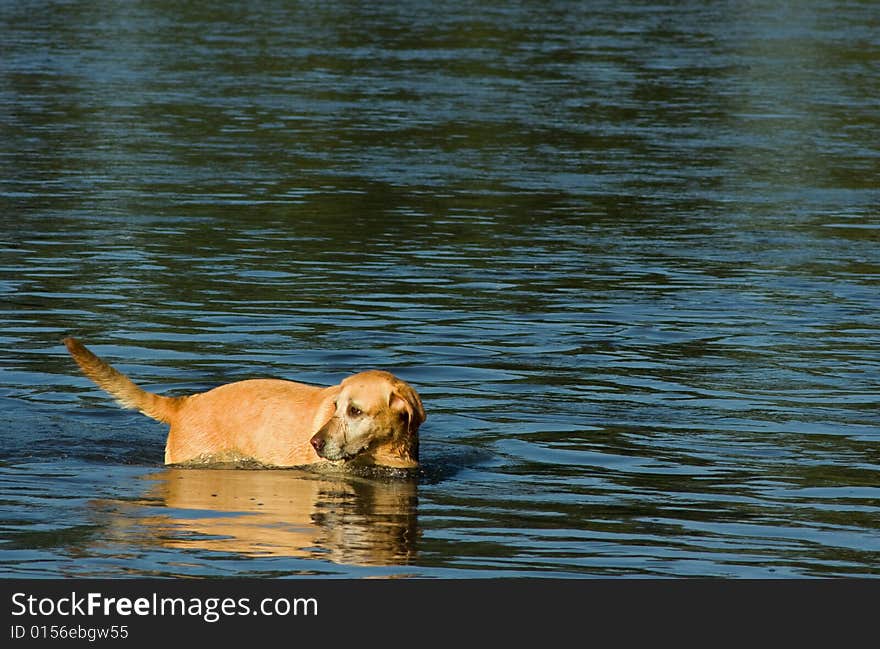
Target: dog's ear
<point>405,399</point>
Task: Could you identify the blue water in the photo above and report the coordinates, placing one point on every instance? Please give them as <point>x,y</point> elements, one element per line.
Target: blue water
<point>627,253</point>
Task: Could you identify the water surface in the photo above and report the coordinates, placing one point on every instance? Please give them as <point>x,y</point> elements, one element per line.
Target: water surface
<point>626,251</point>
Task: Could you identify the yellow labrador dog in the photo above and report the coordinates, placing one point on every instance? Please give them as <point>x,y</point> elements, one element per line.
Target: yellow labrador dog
<point>370,418</point>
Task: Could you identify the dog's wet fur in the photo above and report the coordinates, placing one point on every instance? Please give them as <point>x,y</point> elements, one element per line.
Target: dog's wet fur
<point>367,422</point>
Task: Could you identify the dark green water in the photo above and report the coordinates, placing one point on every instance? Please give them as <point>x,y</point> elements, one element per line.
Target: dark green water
<point>626,251</point>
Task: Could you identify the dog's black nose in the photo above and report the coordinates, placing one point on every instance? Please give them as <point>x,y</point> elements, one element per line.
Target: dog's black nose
<point>318,443</point>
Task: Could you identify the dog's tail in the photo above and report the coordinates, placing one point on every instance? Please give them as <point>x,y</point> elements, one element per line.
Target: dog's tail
<point>126,393</point>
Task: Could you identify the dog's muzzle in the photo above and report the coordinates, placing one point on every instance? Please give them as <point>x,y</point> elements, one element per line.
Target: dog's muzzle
<point>326,446</point>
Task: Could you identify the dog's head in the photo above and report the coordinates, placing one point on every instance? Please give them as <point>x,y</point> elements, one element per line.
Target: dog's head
<point>375,420</point>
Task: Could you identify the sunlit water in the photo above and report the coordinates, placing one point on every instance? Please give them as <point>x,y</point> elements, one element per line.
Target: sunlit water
<point>627,253</point>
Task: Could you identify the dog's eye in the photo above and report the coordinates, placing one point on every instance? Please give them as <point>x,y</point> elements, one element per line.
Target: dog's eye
<point>354,411</point>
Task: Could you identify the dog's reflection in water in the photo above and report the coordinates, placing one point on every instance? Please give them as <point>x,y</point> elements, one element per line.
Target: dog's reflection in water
<point>276,513</point>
